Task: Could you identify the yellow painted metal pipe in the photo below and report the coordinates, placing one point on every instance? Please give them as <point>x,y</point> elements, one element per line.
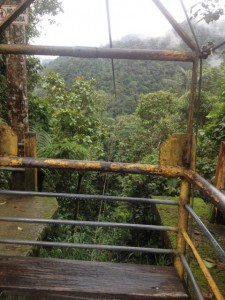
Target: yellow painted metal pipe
<point>115,167</point>
<point>211,192</point>
<point>203,268</point>
<point>182,225</point>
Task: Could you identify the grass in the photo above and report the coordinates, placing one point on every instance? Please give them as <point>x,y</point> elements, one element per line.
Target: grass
<point>168,216</point>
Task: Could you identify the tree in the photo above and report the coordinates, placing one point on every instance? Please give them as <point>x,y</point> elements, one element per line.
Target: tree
<point>159,117</point>
<point>75,111</point>
<point>208,10</point>
<point>36,12</point>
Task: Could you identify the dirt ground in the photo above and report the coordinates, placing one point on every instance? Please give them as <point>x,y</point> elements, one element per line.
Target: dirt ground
<point>24,207</point>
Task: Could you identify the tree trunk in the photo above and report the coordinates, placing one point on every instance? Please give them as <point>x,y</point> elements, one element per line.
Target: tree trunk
<point>17,82</point>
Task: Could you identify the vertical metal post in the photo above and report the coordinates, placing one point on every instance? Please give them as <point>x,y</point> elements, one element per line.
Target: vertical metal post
<point>192,100</point>
<point>190,163</point>
<point>218,216</point>
<point>182,224</point>
<point>8,141</point>
<point>30,151</point>
<point>191,149</point>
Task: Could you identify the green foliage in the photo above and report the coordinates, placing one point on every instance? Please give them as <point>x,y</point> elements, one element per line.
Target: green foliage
<point>75,111</point>
<point>134,78</point>
<point>215,127</point>
<point>39,9</point>
<point>159,117</point>
<point>180,82</point>
<point>208,10</point>
<point>33,72</point>
<point>74,120</point>
<point>153,107</point>
<point>39,114</point>
<point>69,150</point>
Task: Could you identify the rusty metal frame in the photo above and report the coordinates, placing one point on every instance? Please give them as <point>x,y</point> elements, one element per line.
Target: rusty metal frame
<point>213,194</point>
<point>12,17</point>
<point>208,190</point>
<point>99,166</point>
<point>188,176</point>
<point>94,52</point>
<point>186,38</point>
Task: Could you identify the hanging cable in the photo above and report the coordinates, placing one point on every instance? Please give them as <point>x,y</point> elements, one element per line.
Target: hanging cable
<point>190,24</point>
<point>110,44</point>
<point>199,94</point>
<point>218,46</point>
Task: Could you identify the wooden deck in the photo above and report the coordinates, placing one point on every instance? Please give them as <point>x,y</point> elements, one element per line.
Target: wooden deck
<point>45,277</point>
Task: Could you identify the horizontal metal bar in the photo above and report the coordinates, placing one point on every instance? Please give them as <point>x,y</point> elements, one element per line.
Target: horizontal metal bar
<point>90,223</point>
<point>93,52</point>
<point>191,277</point>
<point>101,166</point>
<point>12,169</point>
<point>88,246</point>
<point>207,233</point>
<point>90,197</point>
<point>211,192</point>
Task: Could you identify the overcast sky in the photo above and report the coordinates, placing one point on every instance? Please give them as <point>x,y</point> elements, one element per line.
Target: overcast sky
<point>84,22</point>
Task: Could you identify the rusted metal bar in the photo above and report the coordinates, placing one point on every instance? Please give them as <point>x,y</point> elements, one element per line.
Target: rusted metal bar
<point>115,167</point>
<point>203,268</point>
<point>182,225</point>
<point>211,192</point>
<point>191,146</point>
<point>12,17</point>
<point>217,216</point>
<point>186,38</point>
<point>220,169</point>
<point>192,99</point>
<point>93,52</point>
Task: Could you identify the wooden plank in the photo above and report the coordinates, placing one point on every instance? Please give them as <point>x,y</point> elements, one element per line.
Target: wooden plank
<point>89,279</point>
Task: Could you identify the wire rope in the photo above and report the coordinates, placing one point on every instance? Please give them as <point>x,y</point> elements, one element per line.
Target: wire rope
<point>190,24</point>
<point>216,47</point>
<point>111,46</point>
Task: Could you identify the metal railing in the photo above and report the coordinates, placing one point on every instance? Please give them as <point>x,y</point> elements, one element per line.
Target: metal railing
<point>184,211</point>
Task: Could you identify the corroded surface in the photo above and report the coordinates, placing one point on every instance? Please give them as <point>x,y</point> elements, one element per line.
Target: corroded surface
<point>101,166</point>
<point>216,197</point>
<point>93,52</point>
<point>8,138</point>
<point>24,207</point>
